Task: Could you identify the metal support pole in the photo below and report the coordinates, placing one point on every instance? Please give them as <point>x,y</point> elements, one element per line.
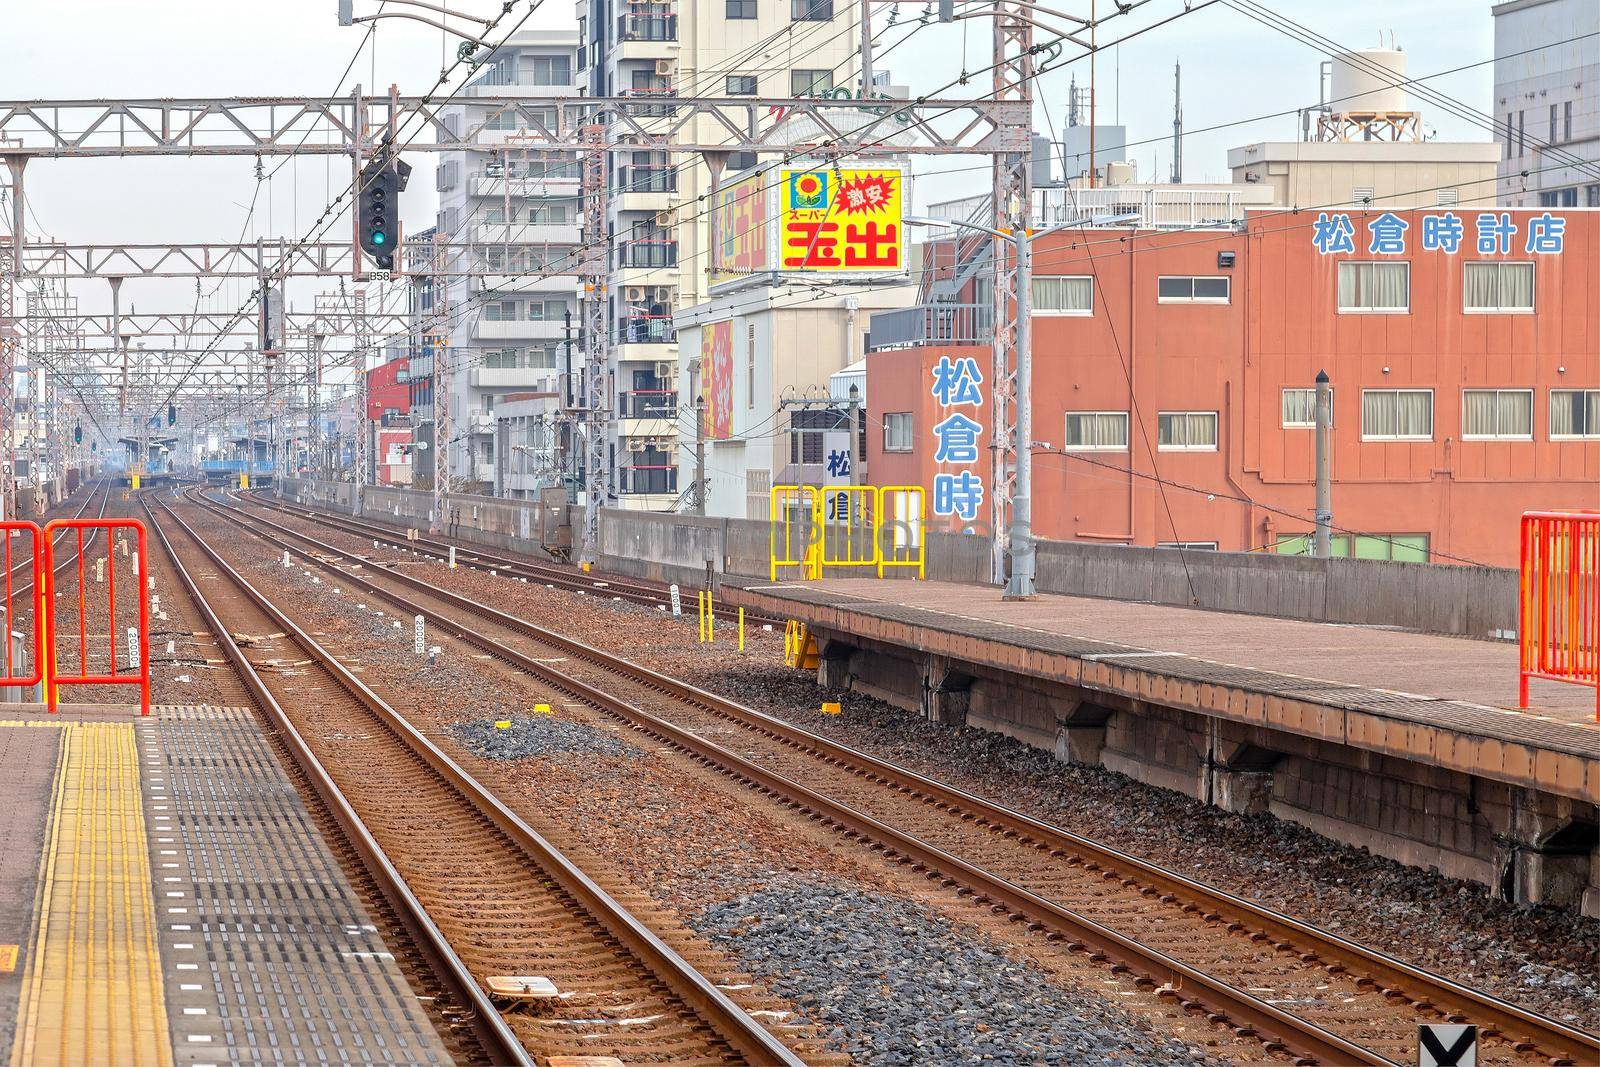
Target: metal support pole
<point>599,475</point>
<point>11,269</point>
<point>363,344</point>
<point>441,382</point>
<point>866,51</point>
<point>1323,547</point>
<point>1020,586</point>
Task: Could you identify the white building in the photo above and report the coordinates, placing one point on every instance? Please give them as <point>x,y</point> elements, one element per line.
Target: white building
<point>1547,102</point>
<point>655,215</point>
<point>519,211</point>
<point>786,349</point>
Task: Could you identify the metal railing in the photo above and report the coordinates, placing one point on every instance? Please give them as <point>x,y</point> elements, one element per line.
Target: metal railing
<point>651,252</point>
<point>1559,600</point>
<point>644,330</point>
<point>647,179</point>
<point>648,25</point>
<point>647,479</point>
<point>932,324</point>
<point>648,404</point>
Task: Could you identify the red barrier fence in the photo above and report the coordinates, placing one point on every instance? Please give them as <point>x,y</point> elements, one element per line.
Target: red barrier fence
<point>137,673</point>
<point>1559,615</point>
<point>32,674</point>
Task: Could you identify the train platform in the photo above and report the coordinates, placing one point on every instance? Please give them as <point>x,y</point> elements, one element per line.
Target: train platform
<point>165,898</point>
<point>1177,696</point>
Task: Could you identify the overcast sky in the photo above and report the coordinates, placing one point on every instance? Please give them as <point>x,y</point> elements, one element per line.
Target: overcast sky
<point>1234,69</point>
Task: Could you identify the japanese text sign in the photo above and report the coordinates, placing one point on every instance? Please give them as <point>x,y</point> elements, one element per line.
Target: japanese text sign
<point>841,220</point>
<point>1492,233</point>
<point>957,384</point>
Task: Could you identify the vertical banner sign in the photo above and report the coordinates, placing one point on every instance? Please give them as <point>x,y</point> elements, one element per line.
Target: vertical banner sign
<point>836,471</point>
<point>743,243</point>
<point>716,378</point>
<point>842,220</point>
<point>957,385</point>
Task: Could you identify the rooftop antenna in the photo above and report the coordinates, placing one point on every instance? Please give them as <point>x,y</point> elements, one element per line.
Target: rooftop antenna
<point>1072,101</point>
<point>1177,122</point>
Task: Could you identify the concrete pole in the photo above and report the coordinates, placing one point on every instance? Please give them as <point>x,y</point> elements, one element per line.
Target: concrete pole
<point>1020,584</point>
<point>699,439</point>
<point>1323,547</point>
<point>866,51</point>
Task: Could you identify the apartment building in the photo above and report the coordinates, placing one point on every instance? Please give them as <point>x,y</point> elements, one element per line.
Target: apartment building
<point>658,234</point>
<point>1547,102</point>
<point>518,211</point>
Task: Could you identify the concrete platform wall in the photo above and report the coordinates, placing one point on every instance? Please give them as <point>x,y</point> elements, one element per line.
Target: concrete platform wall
<point>1436,598</point>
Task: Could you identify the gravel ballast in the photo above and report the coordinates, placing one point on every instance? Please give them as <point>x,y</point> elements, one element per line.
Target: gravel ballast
<point>538,737</point>
<point>895,985</point>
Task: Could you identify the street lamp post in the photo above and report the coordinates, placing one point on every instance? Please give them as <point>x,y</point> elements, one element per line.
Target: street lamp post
<point>1019,534</point>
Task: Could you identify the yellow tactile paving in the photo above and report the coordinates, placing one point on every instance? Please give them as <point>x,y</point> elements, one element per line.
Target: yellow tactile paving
<point>92,992</point>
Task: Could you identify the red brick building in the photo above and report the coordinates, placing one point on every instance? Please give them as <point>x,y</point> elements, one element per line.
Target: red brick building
<point>1172,378</point>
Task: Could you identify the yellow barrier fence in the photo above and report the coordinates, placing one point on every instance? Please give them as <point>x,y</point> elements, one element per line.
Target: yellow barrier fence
<point>848,527</point>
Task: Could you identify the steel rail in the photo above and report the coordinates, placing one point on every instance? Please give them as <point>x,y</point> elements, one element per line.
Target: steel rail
<point>1451,998</point>
<point>104,492</point>
<point>491,1031</point>
<point>747,1037</point>
<point>1279,1030</point>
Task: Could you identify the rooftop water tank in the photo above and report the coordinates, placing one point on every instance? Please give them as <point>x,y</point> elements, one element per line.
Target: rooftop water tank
<point>1369,80</point>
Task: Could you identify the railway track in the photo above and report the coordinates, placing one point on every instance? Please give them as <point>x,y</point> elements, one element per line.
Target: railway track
<point>1321,998</point>
<point>481,893</point>
<point>469,555</point>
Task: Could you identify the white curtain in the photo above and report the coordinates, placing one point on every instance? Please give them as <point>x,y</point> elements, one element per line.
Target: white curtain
<point>1416,414</point>
<point>1478,412</point>
<point>1390,286</point>
<point>1098,429</point>
<point>1481,282</point>
<point>1378,415</point>
<point>1516,285</point>
<point>1063,294</point>
<point>1516,414</point>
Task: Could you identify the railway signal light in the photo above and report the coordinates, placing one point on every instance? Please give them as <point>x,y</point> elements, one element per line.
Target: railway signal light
<point>77,434</point>
<point>378,208</point>
<point>172,415</point>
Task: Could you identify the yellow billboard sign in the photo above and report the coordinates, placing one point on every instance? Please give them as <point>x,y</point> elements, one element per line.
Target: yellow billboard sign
<point>838,220</point>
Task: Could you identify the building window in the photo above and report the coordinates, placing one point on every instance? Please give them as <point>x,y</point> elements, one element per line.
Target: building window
<point>1097,431</point>
<point>1063,296</point>
<point>1574,413</point>
<point>1189,546</point>
<point>1397,415</point>
<point>750,365</point>
<point>1566,121</point>
<point>1497,414</point>
<point>1396,548</point>
<point>1553,113</point>
<point>1509,129</point>
<point>810,10</point>
<point>547,70</point>
<point>1192,290</point>
<point>741,85</point>
<point>1594,196</point>
<point>1375,287</point>
<point>810,82</point>
<point>1522,132</point>
<point>1300,408</point>
<point>1187,431</point>
<point>1491,287</point>
<point>741,9</point>
<point>897,431</point>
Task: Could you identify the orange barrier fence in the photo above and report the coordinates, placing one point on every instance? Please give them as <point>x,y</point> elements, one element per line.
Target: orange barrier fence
<point>138,671</point>
<point>19,674</point>
<point>1559,600</point>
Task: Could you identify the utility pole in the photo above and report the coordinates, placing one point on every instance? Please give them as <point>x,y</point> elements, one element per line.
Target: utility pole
<point>10,339</point>
<point>441,382</point>
<point>1324,536</point>
<point>1177,122</point>
<point>698,493</point>
<point>599,473</point>
<point>1011,405</point>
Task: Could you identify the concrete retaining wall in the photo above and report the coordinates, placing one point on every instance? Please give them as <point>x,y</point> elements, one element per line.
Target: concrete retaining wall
<point>1439,598</point>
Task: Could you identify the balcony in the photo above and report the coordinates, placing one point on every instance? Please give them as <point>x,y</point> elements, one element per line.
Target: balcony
<point>647,110</point>
<point>647,479</point>
<point>932,324</point>
<point>660,178</point>
<point>519,329</point>
<point>526,233</point>
<point>554,185</point>
<point>533,379</point>
<point>648,22</point>
<point>647,404</point>
<point>644,330</point>
<point>647,253</point>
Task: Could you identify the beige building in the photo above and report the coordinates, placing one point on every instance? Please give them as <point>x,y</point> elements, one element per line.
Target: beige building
<point>1386,174</point>
<point>656,218</point>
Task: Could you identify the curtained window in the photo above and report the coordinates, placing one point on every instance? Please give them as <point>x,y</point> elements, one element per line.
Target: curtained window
<point>1070,296</point>
<point>1187,431</point>
<point>1396,414</point>
<point>897,431</point>
<point>1300,408</point>
<point>1384,287</point>
<point>1498,287</point>
<point>1497,413</point>
<point>1575,413</point>
<point>1097,431</point>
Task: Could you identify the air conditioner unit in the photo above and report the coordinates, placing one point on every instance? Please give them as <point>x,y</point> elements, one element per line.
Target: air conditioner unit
<point>638,444</point>
<point>665,369</point>
<point>663,66</point>
<point>636,293</point>
<point>663,218</point>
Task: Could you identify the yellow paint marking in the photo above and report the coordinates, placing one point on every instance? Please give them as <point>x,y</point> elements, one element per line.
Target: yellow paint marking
<point>8,958</point>
<point>92,992</point>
